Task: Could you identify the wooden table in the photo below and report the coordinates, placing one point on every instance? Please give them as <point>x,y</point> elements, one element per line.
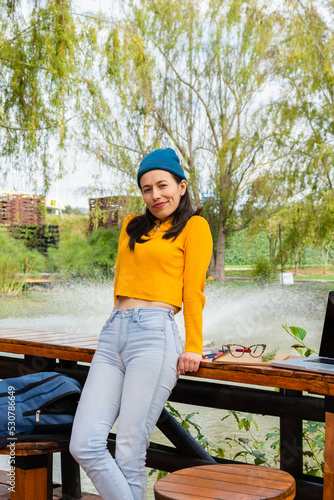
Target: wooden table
<point>62,351</point>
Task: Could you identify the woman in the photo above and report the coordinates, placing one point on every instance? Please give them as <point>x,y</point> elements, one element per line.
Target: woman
<point>162,261</point>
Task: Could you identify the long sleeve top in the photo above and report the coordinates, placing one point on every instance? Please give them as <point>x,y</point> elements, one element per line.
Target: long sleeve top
<point>168,271</point>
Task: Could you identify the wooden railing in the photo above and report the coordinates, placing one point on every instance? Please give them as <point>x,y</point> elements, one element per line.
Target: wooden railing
<point>291,406</point>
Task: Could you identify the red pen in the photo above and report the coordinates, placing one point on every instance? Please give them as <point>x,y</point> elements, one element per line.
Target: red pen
<point>242,350</point>
<point>213,354</point>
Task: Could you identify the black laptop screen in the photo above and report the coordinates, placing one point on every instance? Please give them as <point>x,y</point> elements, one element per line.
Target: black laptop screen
<point>327,341</point>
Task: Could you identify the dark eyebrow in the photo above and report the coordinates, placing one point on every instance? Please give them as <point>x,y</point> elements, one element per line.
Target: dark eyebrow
<point>148,185</point>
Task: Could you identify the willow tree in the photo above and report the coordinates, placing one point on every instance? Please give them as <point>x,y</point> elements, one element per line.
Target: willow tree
<point>195,77</point>
<point>117,131</point>
<point>297,220</point>
<point>323,228</point>
<point>46,56</point>
<point>304,63</point>
<point>213,104</point>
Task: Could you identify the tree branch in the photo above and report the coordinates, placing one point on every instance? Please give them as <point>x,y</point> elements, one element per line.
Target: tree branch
<point>212,125</point>
<point>10,127</point>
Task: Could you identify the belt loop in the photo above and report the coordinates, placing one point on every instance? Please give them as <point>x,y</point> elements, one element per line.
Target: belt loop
<point>171,313</point>
<point>135,314</point>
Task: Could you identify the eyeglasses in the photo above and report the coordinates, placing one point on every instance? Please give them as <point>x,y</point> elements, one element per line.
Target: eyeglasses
<point>236,350</point>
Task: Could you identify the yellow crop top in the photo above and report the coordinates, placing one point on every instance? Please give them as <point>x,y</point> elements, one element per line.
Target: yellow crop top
<point>168,271</point>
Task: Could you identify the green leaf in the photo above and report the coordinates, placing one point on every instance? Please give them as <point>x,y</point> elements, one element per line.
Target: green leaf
<point>313,472</point>
<point>312,429</point>
<point>320,443</point>
<point>300,351</point>
<point>298,332</point>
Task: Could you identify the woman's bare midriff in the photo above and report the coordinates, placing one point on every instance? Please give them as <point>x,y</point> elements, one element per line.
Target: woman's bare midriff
<point>123,302</point>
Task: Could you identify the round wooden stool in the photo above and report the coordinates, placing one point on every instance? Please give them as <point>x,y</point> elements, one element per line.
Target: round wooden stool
<point>232,482</point>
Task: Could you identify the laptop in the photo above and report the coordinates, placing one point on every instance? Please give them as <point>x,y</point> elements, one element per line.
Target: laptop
<point>324,363</point>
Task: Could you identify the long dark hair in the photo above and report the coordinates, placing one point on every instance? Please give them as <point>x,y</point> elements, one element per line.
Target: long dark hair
<point>142,224</point>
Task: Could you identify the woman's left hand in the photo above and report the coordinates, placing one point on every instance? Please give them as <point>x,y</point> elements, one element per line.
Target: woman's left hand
<point>188,362</point>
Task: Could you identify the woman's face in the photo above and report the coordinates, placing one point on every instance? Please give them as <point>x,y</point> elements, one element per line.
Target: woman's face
<point>161,192</point>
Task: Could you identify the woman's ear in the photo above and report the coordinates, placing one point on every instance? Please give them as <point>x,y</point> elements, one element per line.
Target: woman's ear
<point>183,187</point>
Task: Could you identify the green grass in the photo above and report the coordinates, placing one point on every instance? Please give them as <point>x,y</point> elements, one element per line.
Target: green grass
<point>327,277</point>
<point>307,272</point>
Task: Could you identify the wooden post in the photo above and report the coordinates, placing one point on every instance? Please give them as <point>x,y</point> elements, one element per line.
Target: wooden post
<point>32,479</point>
<point>328,493</point>
<point>70,477</point>
<point>291,437</point>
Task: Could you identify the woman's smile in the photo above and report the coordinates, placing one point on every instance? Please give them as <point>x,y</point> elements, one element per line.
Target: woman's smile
<point>160,205</point>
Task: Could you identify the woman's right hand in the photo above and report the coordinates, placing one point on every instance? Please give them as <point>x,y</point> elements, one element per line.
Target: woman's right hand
<point>188,362</point>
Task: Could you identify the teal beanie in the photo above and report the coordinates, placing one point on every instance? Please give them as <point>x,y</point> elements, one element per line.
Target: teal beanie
<point>161,159</point>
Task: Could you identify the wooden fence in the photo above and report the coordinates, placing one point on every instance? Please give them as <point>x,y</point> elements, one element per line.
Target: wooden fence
<point>20,209</point>
<point>111,210</point>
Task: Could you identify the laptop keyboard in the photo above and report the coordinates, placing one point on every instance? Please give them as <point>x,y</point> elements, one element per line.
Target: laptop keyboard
<point>325,361</point>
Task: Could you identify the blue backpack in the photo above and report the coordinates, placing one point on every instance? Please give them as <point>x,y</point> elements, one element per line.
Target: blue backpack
<point>37,404</point>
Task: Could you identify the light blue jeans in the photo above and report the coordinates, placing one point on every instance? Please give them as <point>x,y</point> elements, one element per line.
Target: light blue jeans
<point>133,371</point>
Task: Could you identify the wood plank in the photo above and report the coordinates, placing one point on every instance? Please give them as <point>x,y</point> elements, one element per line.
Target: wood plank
<point>22,330</point>
<point>176,491</point>
<point>329,458</point>
<point>249,473</point>
<point>31,333</point>
<point>17,347</point>
<point>49,337</point>
<point>51,342</point>
<point>69,342</point>
<point>30,484</point>
<point>28,334</point>
<point>16,344</point>
<point>69,354</point>
<point>40,339</point>
<point>267,376</point>
<point>57,491</point>
<point>28,448</point>
<point>232,482</point>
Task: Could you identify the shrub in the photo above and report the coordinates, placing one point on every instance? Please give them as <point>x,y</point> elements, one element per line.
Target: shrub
<point>82,255</point>
<point>15,252</point>
<point>72,256</point>
<point>243,249</point>
<point>104,244</point>
<point>17,262</point>
<point>263,270</point>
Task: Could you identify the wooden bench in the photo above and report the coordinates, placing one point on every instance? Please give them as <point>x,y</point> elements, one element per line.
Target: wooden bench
<point>232,482</point>
<point>32,478</point>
